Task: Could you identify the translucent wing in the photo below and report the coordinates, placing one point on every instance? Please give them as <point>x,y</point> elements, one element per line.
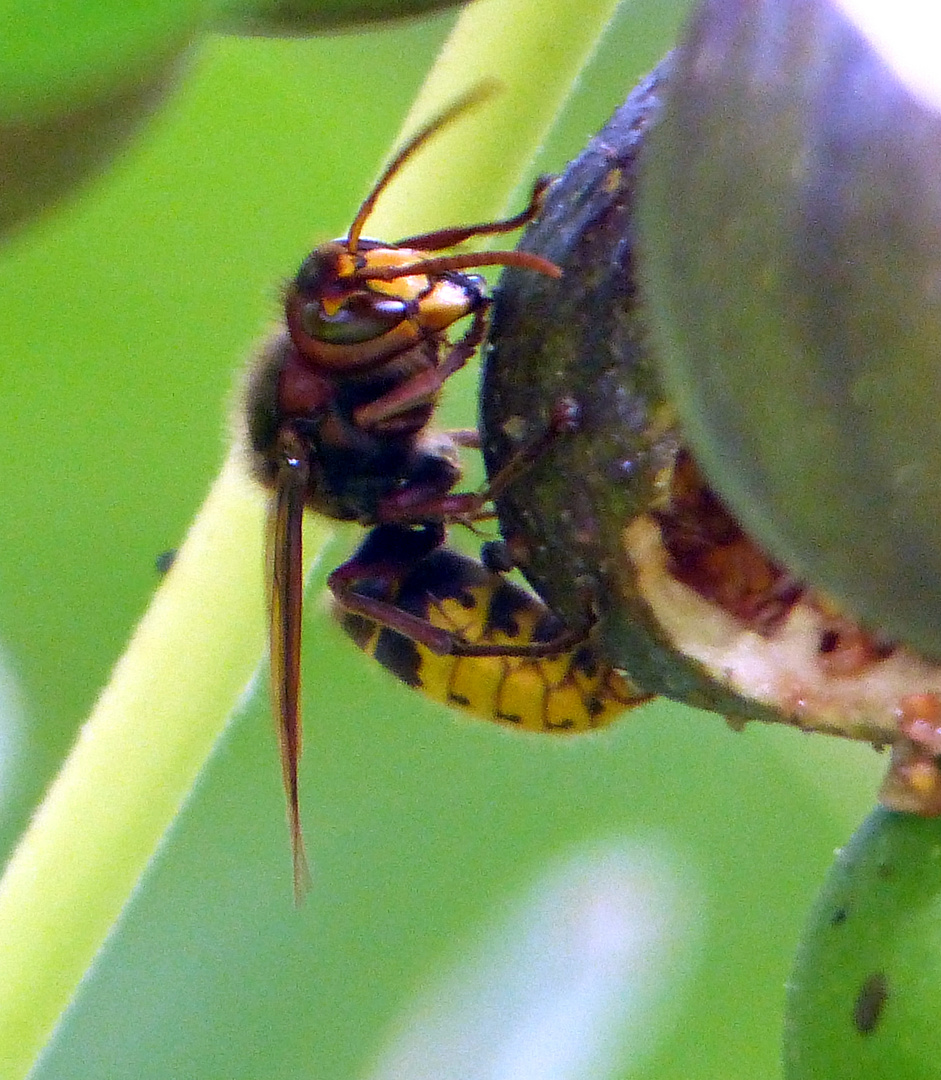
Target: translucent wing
<point>286,589</point>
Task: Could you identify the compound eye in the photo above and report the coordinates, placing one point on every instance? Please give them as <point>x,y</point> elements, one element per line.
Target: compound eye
<point>317,271</point>
<point>361,318</point>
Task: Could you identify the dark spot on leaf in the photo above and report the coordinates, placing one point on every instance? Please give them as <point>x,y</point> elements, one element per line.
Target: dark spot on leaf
<point>870,1002</point>
<point>164,561</point>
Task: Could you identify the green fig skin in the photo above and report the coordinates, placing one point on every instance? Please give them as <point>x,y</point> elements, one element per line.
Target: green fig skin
<point>791,231</point>
<point>862,1002</point>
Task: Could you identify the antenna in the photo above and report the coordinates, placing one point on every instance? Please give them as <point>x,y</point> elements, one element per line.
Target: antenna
<point>476,96</point>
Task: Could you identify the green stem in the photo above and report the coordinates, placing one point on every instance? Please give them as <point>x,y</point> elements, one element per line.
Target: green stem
<point>534,50</point>
<point>130,770</point>
<point>199,644</point>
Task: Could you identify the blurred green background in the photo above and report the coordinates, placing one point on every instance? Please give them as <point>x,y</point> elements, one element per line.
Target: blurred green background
<point>126,313</point>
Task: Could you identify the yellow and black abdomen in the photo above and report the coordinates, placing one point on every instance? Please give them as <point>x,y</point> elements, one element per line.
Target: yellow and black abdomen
<point>569,691</point>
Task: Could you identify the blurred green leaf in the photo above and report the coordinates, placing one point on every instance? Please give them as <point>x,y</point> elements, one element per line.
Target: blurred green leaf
<point>57,57</point>
<point>565,998</point>
<point>42,158</point>
<point>78,80</point>
<point>309,16</point>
